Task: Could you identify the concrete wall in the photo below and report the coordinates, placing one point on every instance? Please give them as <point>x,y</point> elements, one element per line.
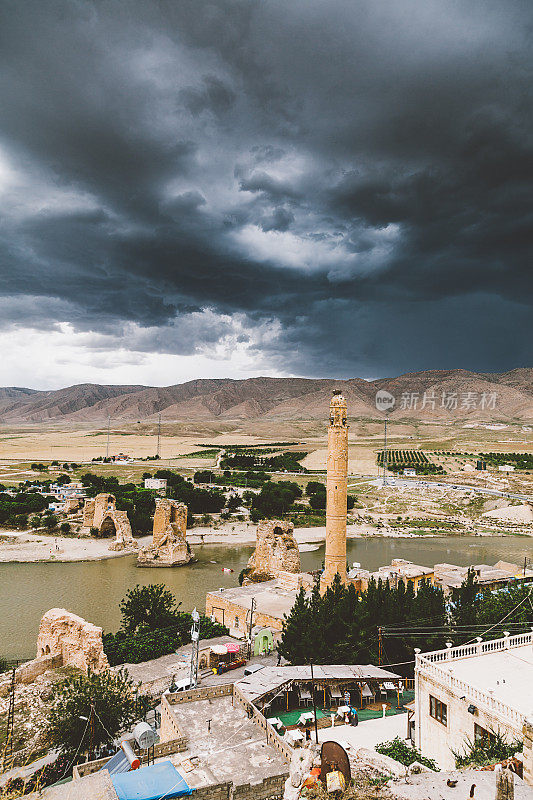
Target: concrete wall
<point>436,740</point>
<point>160,750</point>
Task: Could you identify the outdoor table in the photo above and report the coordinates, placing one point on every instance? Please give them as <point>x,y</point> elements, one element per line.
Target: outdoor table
<point>342,710</point>
<point>276,722</point>
<point>307,716</point>
<point>295,736</point>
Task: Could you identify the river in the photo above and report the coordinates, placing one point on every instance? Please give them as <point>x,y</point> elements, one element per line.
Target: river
<point>93,589</point>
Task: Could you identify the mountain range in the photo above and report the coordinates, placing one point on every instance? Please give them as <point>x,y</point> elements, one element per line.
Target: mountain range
<point>434,394</point>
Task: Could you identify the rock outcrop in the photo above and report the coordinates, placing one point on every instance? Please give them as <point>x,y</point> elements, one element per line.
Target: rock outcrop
<point>276,551</point>
<point>169,546</point>
<point>78,642</point>
<point>101,513</point>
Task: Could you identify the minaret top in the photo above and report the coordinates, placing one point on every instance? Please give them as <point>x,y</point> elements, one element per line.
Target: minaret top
<point>338,410</point>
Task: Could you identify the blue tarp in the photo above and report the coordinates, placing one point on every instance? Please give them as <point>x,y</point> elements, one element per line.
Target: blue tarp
<point>151,783</point>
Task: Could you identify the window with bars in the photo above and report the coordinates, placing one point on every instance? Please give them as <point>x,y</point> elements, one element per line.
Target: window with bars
<point>438,710</point>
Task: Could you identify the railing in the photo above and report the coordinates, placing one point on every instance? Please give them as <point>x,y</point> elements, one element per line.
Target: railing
<point>433,664</point>
<point>479,648</point>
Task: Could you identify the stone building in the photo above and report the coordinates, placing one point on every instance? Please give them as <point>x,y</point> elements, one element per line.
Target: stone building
<point>169,546</point>
<point>276,551</point>
<point>336,492</point>
<point>101,513</point>
<point>272,601</point>
<point>471,692</point>
<point>78,642</point>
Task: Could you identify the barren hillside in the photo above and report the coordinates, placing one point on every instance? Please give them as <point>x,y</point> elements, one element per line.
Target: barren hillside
<point>433,394</point>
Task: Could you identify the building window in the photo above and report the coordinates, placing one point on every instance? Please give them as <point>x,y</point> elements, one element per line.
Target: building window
<point>438,710</point>
<point>483,737</point>
<point>236,622</point>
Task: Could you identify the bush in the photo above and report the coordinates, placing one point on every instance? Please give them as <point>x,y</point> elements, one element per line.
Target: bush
<point>402,752</point>
<point>490,749</point>
<point>50,521</point>
<point>65,528</point>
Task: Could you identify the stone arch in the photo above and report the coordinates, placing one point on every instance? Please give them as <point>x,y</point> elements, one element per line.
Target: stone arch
<point>108,527</point>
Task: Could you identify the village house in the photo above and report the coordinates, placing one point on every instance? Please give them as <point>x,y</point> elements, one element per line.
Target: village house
<point>472,692</point>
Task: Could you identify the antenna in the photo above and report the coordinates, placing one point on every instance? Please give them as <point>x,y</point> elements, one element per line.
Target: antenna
<point>385,456</point>
<point>158,433</point>
<point>195,637</point>
<point>107,446</point>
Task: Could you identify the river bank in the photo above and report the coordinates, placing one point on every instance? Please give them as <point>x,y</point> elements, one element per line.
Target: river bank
<point>26,546</point>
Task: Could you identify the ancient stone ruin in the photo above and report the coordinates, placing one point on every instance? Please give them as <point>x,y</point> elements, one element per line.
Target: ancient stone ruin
<point>101,513</point>
<point>276,551</point>
<point>79,643</point>
<point>169,546</point>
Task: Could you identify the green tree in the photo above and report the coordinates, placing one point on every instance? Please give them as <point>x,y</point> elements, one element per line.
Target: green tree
<point>65,528</point>
<point>313,487</point>
<point>465,605</point>
<point>109,697</point>
<point>50,521</point>
<point>298,639</point>
<point>148,608</point>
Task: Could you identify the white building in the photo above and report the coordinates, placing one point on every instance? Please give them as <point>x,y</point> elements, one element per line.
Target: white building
<point>409,472</point>
<point>506,468</point>
<point>159,484</point>
<point>470,691</point>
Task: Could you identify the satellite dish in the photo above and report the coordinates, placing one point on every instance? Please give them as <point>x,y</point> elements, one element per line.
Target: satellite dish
<point>334,758</point>
<point>145,736</point>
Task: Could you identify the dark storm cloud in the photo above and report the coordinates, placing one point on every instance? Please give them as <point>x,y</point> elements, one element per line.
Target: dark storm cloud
<point>357,175</point>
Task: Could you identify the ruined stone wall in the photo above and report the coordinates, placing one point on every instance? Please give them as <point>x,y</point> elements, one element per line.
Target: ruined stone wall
<point>276,550</point>
<point>78,642</point>
<point>88,513</point>
<point>101,512</point>
<point>169,546</point>
<point>169,513</point>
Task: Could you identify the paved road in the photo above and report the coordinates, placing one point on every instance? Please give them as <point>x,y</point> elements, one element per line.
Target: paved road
<point>417,483</point>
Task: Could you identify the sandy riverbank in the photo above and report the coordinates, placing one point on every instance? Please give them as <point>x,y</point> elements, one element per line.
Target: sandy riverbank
<point>25,546</point>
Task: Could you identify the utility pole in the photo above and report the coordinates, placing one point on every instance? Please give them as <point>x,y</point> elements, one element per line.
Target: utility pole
<point>380,646</point>
<point>7,760</point>
<point>158,433</point>
<point>252,609</point>
<point>195,642</point>
<point>91,729</point>
<point>314,704</point>
<point>107,446</point>
<point>385,456</point>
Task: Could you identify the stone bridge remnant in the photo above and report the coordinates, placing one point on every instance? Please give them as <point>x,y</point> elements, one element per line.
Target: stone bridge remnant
<point>78,642</point>
<point>101,513</point>
<point>169,546</point>
<point>276,551</point>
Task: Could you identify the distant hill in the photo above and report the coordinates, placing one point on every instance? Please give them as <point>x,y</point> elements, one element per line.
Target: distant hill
<point>433,394</point>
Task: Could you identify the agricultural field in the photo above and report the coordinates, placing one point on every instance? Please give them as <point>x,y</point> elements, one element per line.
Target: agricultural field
<point>398,460</point>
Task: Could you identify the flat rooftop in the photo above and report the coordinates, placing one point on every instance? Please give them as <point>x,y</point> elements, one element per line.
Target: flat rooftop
<point>223,745</point>
<point>508,673</point>
<point>268,679</point>
<point>270,598</point>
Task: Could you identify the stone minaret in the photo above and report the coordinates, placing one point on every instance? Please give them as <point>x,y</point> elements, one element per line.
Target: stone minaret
<point>336,492</point>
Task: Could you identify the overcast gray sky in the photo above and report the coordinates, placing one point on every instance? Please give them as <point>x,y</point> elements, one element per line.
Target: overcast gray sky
<point>234,188</point>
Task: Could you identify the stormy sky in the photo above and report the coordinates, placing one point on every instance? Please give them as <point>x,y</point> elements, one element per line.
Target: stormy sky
<point>246,187</point>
